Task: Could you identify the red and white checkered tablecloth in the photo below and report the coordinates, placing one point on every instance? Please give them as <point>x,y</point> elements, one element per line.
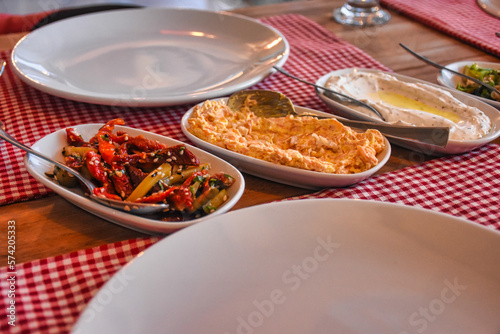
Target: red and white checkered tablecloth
<point>461,19</point>
<point>466,186</point>
<point>51,293</point>
<point>30,114</point>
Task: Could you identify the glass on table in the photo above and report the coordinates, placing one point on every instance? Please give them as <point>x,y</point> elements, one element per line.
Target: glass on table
<point>361,13</point>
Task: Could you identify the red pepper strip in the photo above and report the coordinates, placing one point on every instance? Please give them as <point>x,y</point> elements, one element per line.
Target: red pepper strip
<point>93,163</point>
<point>108,151</point>
<point>118,175</point>
<point>102,192</point>
<point>182,196</point>
<point>175,155</point>
<point>157,197</point>
<point>122,153</point>
<point>105,141</point>
<point>107,128</point>
<point>106,148</point>
<point>122,156</point>
<point>121,181</point>
<point>145,145</point>
<point>136,175</point>
<point>74,162</point>
<point>190,179</point>
<point>179,155</point>
<point>118,180</point>
<point>120,137</point>
<point>74,139</point>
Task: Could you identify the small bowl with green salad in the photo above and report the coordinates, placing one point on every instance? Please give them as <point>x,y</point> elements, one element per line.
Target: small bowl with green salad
<point>488,72</point>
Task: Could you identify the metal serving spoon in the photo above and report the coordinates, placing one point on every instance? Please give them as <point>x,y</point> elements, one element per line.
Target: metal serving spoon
<point>274,104</point>
<point>130,207</point>
<point>430,62</point>
<point>331,91</point>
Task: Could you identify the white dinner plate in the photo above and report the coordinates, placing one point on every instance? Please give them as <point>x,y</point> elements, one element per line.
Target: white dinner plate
<point>52,145</point>
<point>453,146</point>
<point>490,6</point>
<point>284,174</point>
<point>148,57</point>
<point>309,266</point>
<point>451,80</point>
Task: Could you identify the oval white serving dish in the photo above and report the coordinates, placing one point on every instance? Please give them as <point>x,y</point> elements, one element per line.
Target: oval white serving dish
<point>453,147</point>
<point>52,145</point>
<point>283,174</point>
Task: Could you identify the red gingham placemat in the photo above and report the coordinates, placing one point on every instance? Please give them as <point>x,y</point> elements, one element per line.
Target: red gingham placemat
<point>30,114</point>
<point>51,293</point>
<point>466,186</point>
<point>461,19</point>
<point>10,23</point>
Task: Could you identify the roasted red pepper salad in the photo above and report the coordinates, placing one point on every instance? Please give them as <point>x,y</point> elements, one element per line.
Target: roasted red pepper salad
<point>136,169</point>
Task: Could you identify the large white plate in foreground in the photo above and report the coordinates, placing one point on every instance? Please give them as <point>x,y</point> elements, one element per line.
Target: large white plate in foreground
<point>53,144</point>
<point>309,266</point>
<point>451,80</point>
<point>148,57</point>
<point>453,147</point>
<point>284,174</point>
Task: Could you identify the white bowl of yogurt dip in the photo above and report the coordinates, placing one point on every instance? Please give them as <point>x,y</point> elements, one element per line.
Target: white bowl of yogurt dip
<point>407,101</point>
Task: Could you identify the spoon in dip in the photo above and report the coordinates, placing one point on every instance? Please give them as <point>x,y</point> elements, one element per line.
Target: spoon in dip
<point>266,103</point>
<point>130,207</point>
<point>347,97</point>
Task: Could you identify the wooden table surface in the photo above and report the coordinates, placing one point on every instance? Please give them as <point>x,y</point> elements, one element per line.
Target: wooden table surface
<point>52,226</point>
